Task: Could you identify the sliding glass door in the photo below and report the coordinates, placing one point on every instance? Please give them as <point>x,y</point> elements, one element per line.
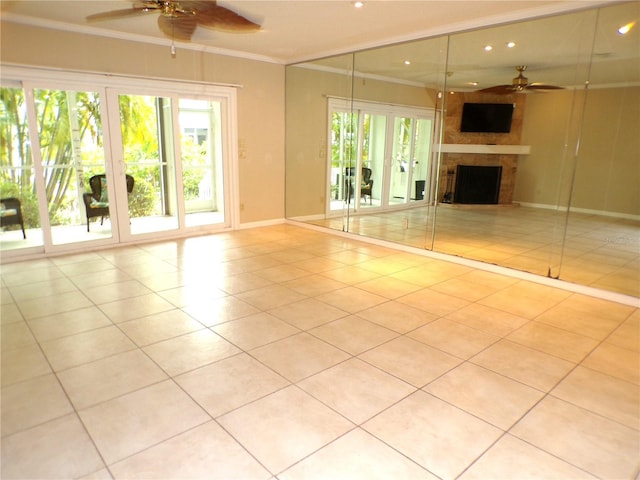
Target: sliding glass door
<point>173,149</point>
<point>202,161</point>
<point>373,152</point>
<point>17,175</point>
<point>70,148</point>
<point>148,156</point>
<point>410,159</point>
<point>102,165</point>
<point>380,156</point>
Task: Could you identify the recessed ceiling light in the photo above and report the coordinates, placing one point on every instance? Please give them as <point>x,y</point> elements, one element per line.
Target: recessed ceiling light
<point>407,62</point>
<point>475,84</point>
<point>488,48</point>
<point>623,30</point>
<point>511,44</point>
<point>358,4</point>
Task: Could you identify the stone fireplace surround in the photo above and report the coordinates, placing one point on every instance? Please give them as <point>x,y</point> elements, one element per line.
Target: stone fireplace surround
<point>482,149</point>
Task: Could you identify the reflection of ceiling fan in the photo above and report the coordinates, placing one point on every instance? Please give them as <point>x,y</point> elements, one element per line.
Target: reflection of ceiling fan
<point>519,84</point>
<point>178,20</point>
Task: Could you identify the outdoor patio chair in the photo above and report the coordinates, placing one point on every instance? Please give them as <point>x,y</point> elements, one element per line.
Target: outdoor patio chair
<point>96,202</point>
<point>11,213</point>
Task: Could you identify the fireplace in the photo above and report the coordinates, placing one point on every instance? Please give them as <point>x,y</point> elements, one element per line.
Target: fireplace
<point>477,184</point>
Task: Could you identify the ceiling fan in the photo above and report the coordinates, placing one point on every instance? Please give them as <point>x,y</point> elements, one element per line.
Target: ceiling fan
<point>178,20</point>
<point>519,84</point>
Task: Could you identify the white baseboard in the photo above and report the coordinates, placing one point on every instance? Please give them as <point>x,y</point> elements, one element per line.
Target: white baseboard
<point>263,223</point>
<point>586,211</point>
<point>309,218</point>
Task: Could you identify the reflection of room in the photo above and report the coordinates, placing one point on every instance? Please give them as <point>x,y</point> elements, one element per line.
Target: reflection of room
<point>481,148</point>
<point>568,179</point>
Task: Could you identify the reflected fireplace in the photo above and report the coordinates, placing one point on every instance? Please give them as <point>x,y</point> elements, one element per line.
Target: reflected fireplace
<point>477,184</point>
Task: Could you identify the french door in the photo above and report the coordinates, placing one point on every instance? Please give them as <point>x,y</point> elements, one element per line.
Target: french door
<point>162,161</point>
<point>173,148</point>
<point>380,156</point>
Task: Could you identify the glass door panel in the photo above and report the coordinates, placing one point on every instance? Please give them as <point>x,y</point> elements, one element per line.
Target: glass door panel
<point>342,160</point>
<point>202,162</point>
<point>372,158</point>
<point>149,158</point>
<point>420,164</point>
<point>401,160</point>
<point>71,152</point>
<point>17,175</point>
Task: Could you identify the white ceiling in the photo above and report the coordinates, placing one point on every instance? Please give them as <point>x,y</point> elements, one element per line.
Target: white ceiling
<point>294,30</point>
<point>556,49</point>
<point>300,30</point>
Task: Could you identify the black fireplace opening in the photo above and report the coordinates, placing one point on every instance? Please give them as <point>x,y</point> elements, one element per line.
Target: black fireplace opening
<point>477,184</point>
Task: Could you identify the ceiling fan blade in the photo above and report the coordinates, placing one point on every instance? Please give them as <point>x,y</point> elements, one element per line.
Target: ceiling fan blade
<point>180,28</point>
<point>125,12</point>
<point>541,86</point>
<point>214,16</point>
<point>499,89</point>
<point>519,84</point>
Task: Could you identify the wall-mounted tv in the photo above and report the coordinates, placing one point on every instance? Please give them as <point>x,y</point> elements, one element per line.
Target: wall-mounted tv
<point>487,117</point>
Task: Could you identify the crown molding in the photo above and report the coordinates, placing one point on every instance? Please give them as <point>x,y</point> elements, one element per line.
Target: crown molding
<point>134,37</point>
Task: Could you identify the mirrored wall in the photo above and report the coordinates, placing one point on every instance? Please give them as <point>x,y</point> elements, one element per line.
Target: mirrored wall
<point>515,145</point>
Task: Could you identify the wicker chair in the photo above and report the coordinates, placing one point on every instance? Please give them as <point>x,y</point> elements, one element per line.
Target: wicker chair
<point>366,183</point>
<point>96,202</point>
<point>11,213</point>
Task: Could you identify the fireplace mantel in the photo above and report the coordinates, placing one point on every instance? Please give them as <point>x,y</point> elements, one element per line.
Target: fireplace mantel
<point>490,149</point>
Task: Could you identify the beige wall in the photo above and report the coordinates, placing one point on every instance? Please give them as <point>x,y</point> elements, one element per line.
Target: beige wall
<point>307,143</point>
<point>542,174</point>
<point>260,100</point>
<point>608,165</point>
<point>306,137</point>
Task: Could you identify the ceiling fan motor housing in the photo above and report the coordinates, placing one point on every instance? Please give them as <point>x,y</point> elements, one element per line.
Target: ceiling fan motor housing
<point>520,82</point>
<point>168,8</point>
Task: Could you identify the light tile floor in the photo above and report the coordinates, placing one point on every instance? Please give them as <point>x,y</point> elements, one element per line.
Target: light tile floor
<point>282,352</point>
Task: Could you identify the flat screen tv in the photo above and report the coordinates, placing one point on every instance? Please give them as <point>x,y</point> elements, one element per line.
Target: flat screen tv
<point>487,117</point>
